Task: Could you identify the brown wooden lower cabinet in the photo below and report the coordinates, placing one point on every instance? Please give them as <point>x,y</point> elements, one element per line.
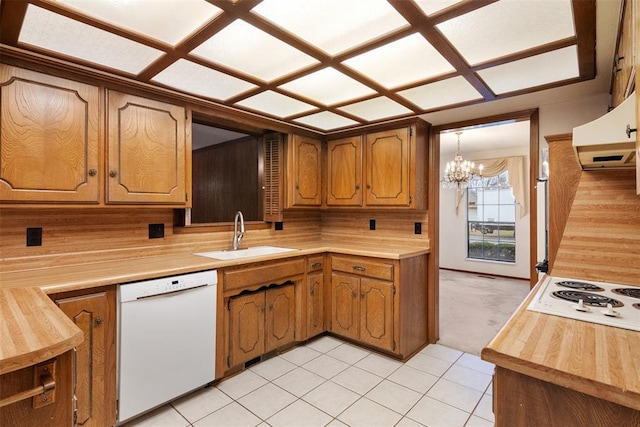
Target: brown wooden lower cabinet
<point>315,303</point>
<point>522,401</point>
<point>22,413</point>
<point>260,322</point>
<point>95,388</point>
<point>380,303</point>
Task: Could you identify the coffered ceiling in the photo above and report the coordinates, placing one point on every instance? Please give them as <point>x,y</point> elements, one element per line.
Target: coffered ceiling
<point>324,65</point>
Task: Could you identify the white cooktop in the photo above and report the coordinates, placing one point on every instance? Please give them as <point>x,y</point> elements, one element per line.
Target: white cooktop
<point>626,316</point>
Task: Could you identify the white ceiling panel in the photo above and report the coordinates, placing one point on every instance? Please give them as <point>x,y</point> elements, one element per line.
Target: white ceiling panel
<point>249,50</point>
<point>441,93</point>
<point>328,86</point>
<point>534,71</point>
<point>149,17</point>
<point>376,109</point>
<point>276,104</point>
<point>333,25</point>
<point>198,80</point>
<point>508,26</point>
<point>404,61</point>
<point>56,33</point>
<point>326,120</point>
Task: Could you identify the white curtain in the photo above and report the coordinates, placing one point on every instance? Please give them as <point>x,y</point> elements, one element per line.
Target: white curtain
<point>493,167</point>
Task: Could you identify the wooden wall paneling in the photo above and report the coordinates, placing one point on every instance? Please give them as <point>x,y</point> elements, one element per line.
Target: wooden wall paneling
<point>412,324</point>
<point>564,175</point>
<point>218,172</point>
<point>601,239</point>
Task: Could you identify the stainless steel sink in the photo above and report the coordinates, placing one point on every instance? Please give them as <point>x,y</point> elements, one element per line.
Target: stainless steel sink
<point>245,253</point>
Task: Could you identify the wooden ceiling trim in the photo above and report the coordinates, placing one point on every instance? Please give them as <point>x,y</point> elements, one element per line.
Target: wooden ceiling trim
<point>454,10</point>
<point>584,13</point>
<point>538,50</point>
<point>11,18</point>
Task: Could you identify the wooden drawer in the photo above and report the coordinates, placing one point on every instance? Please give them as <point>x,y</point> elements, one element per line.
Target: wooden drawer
<point>262,274</point>
<point>315,263</point>
<point>363,267</point>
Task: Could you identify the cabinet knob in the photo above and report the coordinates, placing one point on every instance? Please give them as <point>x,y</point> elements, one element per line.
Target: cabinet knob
<point>362,294</point>
<point>99,321</point>
<point>270,307</point>
<point>113,173</point>
<point>311,291</point>
<point>354,293</point>
<point>357,187</point>
<point>93,172</point>
<point>368,187</point>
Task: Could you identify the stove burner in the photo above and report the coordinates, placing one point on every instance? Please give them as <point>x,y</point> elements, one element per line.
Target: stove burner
<point>636,305</point>
<point>592,300</point>
<point>582,286</point>
<point>629,292</point>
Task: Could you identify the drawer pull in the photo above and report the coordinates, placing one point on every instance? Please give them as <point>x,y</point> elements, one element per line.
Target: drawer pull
<point>316,265</point>
<point>359,268</point>
<point>47,385</point>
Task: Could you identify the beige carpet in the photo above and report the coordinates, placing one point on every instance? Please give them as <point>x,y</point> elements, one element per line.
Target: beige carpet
<point>474,306</point>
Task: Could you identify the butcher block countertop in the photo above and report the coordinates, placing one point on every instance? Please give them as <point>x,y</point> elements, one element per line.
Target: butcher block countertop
<point>601,361</point>
<point>95,273</point>
<point>32,329</point>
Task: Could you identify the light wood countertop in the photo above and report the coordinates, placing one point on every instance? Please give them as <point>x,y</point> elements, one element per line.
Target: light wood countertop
<point>32,329</point>
<point>94,273</point>
<point>601,361</point>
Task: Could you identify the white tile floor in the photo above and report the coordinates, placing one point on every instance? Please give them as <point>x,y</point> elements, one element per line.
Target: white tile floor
<point>328,382</point>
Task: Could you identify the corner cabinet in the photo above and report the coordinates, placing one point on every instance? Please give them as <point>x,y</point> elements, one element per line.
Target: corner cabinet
<point>379,302</point>
<point>49,139</point>
<point>95,367</point>
<point>380,170</point>
<point>304,172</point>
<point>146,160</point>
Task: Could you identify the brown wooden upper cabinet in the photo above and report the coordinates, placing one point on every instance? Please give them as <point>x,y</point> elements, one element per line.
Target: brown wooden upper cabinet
<point>385,169</point>
<point>304,172</point>
<point>52,147</point>
<point>49,139</point>
<point>147,151</point>
<point>623,82</point>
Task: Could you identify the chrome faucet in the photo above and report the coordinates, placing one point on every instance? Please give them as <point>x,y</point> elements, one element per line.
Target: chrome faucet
<point>238,235</point>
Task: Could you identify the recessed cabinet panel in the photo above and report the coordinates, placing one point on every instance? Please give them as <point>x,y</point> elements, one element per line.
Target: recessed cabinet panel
<point>344,175</point>
<point>376,313</point>
<point>279,317</point>
<point>344,313</point>
<point>387,159</point>
<point>49,143</point>
<point>246,327</point>
<point>146,157</point>
<point>305,172</point>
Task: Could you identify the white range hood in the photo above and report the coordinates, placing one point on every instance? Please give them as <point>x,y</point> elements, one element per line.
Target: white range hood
<point>605,142</point>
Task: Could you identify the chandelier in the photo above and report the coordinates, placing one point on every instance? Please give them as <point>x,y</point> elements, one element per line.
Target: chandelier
<point>458,172</point>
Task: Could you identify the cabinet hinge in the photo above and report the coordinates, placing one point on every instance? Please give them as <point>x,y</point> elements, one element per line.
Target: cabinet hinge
<point>229,304</point>
<point>228,361</point>
<point>393,345</point>
<point>410,131</point>
<point>394,289</point>
<point>186,197</point>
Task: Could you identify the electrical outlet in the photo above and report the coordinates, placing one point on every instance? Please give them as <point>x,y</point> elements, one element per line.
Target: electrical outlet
<point>279,225</point>
<point>372,224</point>
<point>417,228</point>
<point>156,231</point>
<point>34,236</point>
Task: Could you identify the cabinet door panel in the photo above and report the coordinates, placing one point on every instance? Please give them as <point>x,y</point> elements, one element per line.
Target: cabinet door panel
<point>344,172</point>
<point>305,172</point>
<point>49,143</point>
<point>279,317</point>
<point>95,365</point>
<point>315,305</point>
<point>387,159</point>
<point>246,327</point>
<point>376,313</point>
<point>146,151</point>
<point>344,313</point>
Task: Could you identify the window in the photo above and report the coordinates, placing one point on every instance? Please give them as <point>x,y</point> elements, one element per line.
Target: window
<point>491,214</point>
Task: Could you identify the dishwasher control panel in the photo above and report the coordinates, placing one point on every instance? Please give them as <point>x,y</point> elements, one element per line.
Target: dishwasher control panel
<point>165,285</point>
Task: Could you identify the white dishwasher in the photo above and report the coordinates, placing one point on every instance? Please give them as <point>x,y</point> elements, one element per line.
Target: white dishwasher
<point>167,340</point>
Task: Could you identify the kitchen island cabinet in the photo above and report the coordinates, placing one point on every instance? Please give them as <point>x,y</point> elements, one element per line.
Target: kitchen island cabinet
<point>95,368</point>
<point>555,372</point>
